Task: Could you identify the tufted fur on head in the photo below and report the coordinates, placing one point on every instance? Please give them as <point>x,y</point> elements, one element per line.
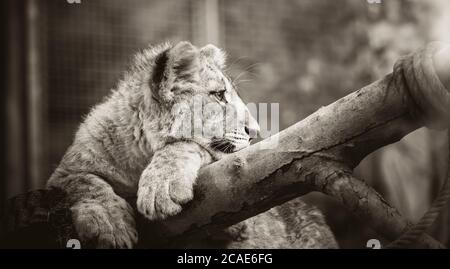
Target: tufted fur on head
<point>176,76</point>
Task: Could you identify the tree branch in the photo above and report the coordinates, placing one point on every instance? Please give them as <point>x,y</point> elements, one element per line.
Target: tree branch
<point>316,154</point>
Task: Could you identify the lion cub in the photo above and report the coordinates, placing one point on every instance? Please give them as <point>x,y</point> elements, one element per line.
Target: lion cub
<point>147,139</point>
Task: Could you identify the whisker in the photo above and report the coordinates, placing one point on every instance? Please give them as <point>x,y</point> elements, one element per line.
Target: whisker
<point>235,62</point>
<point>246,71</point>
<point>251,66</point>
<point>223,145</point>
<point>238,76</point>
<point>242,81</point>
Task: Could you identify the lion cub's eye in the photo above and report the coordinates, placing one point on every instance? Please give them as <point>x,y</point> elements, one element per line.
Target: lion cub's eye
<point>219,95</point>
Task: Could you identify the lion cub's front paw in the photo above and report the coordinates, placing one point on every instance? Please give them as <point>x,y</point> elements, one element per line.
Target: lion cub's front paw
<point>159,198</point>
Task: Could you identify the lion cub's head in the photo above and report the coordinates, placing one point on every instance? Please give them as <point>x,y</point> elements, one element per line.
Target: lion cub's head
<point>199,103</point>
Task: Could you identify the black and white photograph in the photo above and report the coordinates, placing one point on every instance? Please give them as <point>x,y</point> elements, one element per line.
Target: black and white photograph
<point>250,125</point>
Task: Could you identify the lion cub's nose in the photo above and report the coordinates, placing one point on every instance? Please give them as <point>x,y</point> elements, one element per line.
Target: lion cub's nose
<point>251,126</point>
<point>252,132</point>
<point>247,131</point>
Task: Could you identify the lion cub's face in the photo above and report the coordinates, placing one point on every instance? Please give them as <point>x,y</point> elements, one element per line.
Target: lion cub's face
<point>203,106</point>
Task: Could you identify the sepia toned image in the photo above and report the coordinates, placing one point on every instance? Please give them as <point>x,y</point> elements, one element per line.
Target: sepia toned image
<point>225,124</point>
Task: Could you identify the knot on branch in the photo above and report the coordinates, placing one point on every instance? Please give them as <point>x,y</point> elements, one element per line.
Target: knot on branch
<point>416,73</point>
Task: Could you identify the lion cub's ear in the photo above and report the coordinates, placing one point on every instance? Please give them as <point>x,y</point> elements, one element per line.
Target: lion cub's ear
<point>214,54</point>
<point>179,63</point>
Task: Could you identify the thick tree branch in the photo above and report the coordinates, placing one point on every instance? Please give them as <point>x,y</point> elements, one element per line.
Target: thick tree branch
<point>316,154</point>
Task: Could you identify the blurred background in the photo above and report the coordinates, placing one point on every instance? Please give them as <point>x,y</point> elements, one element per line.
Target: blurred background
<point>62,57</point>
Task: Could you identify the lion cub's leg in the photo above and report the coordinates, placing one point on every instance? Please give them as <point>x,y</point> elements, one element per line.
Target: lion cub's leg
<point>101,218</point>
<point>168,180</point>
